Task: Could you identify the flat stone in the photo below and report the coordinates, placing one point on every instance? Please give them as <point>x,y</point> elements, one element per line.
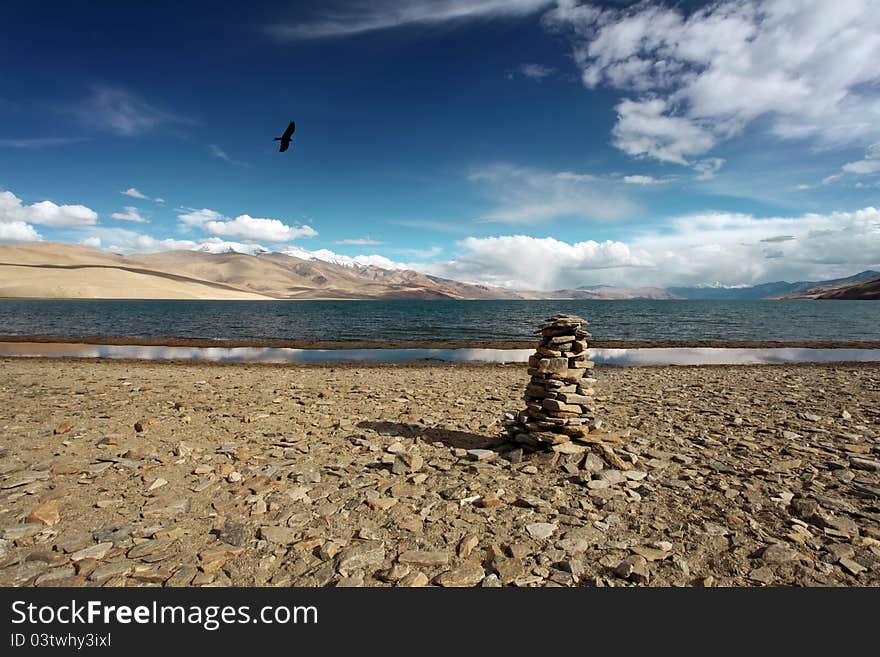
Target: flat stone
<point>424,558</point>
<point>97,551</point>
<point>282,535</point>
<point>541,530</point>
<point>360,556</point>
<point>777,553</point>
<point>48,513</point>
<point>165,508</point>
<point>481,454</point>
<point>150,547</point>
<point>417,579</point>
<point>864,464</point>
<point>235,533</point>
<point>467,575</point>
<point>851,566</point>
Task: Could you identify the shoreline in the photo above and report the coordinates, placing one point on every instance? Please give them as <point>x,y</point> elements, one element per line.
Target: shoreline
<point>427,344</point>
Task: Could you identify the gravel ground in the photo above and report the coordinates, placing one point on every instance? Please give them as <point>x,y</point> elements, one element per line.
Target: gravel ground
<point>175,474</point>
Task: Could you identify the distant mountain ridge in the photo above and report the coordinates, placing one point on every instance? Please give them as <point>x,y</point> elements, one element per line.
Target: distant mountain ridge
<point>48,270</point>
<point>773,290</point>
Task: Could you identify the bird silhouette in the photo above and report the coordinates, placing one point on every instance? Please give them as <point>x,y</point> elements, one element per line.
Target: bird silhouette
<point>285,138</point>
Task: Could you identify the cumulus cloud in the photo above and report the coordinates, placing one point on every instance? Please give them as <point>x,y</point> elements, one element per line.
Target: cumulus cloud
<point>130,214</point>
<point>326,255</point>
<point>197,218</point>
<point>134,193</point>
<point>536,263</point>
<point>120,112</point>
<point>693,80</point>
<point>125,241</point>
<point>47,213</point>
<point>243,226</point>
<point>253,228</point>
<point>359,18</point>
<point>728,248</point>
<point>529,196</point>
<point>18,231</point>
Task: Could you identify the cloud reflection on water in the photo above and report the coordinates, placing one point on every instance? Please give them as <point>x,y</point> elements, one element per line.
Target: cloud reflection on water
<point>631,357</point>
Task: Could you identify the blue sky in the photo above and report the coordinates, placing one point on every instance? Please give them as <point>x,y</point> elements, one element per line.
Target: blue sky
<point>527,143</point>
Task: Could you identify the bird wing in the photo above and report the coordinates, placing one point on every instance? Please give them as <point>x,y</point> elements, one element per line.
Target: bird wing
<point>284,144</point>
<point>289,131</point>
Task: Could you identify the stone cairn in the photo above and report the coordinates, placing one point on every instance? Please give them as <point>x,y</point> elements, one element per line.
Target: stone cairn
<point>560,407</point>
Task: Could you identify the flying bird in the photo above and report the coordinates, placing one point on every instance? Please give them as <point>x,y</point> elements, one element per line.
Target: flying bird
<point>285,138</point>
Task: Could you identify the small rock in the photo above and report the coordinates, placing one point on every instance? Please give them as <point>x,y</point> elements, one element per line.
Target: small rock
<point>468,574</point>
<point>48,513</point>
<point>424,558</point>
<point>541,530</point>
<point>97,551</point>
<point>360,556</point>
<point>481,454</point>
<point>234,533</point>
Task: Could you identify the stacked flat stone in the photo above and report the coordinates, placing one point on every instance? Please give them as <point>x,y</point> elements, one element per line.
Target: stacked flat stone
<point>559,396</point>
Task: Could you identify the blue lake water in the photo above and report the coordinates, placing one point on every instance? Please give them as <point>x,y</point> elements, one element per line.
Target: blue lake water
<point>413,320</point>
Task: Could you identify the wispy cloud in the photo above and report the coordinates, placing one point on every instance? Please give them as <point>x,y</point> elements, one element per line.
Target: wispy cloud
<point>134,193</point>
<point>130,214</point>
<point>432,226</point>
<point>35,143</point>
<point>536,71</point>
<point>122,113</point>
<point>359,241</point>
<point>358,18</point>
<point>527,195</point>
<point>218,152</point>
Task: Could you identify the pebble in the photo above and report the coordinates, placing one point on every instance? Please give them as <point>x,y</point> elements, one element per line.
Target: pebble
<point>541,530</point>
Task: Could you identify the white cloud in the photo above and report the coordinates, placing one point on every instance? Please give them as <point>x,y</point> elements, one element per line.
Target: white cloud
<point>125,241</point>
<point>193,217</point>
<point>354,18</point>
<point>732,249</point>
<point>159,199</point>
<point>867,165</point>
<point>18,231</point>
<point>642,180</point>
<point>253,228</point>
<point>809,67</point>
<point>529,196</point>
<point>536,263</point>
<point>359,241</point>
<point>116,110</point>
<point>130,214</point>
<point>536,71</point>
<point>347,261</point>
<point>47,213</point>
<point>134,193</point>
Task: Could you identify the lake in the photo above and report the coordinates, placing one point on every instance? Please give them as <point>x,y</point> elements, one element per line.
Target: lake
<point>414,320</point>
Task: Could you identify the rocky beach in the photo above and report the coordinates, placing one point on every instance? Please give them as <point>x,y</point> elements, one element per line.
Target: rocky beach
<point>124,473</point>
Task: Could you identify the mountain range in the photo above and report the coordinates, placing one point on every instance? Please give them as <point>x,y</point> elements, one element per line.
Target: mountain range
<point>70,271</point>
